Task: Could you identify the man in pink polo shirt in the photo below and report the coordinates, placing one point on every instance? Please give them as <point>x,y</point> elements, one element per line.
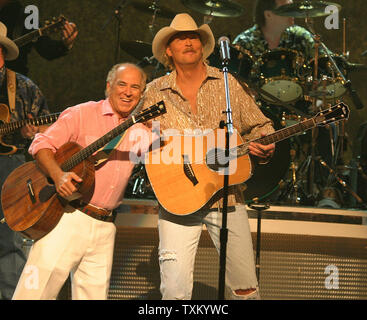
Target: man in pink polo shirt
<point>82,243</point>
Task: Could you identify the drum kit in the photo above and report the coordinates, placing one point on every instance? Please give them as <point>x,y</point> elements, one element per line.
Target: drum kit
<point>280,80</point>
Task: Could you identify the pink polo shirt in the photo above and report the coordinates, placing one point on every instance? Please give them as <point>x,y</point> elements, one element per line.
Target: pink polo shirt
<point>84,124</point>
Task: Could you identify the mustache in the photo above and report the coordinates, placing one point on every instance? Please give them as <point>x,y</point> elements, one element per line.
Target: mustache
<point>189,50</point>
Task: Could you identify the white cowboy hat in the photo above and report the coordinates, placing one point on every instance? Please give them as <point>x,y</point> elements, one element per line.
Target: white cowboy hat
<point>11,49</point>
<point>182,22</point>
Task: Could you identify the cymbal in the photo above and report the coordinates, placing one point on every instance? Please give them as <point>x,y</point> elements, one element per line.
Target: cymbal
<point>216,8</point>
<point>305,9</point>
<point>137,48</point>
<point>150,7</point>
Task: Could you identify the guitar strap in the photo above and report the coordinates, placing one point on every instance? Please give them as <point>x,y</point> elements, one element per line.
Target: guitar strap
<point>11,84</point>
<point>103,153</point>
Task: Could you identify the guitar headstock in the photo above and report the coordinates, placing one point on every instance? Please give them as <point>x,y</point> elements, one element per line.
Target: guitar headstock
<point>53,26</point>
<point>335,113</point>
<point>152,112</point>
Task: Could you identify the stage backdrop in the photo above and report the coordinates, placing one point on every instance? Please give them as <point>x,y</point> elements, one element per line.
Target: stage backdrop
<point>81,75</point>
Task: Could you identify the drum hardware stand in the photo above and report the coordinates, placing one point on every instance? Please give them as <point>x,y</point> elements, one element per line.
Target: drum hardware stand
<point>341,182</point>
<point>259,208</point>
<point>293,190</point>
<point>347,83</point>
<point>155,8</point>
<point>118,15</point>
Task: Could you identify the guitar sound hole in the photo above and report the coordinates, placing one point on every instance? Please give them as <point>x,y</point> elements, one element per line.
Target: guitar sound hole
<point>48,191</point>
<point>216,159</point>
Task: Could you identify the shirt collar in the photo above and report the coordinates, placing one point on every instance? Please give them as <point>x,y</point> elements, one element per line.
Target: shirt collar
<point>169,82</point>
<point>107,108</point>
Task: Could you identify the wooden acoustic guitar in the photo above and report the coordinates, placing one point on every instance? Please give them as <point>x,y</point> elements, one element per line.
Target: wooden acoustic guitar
<point>188,174</point>
<point>29,200</point>
<point>7,127</point>
<point>50,27</point>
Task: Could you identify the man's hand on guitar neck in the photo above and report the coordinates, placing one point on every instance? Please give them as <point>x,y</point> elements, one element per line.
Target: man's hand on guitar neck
<point>69,33</point>
<point>29,131</point>
<point>261,151</point>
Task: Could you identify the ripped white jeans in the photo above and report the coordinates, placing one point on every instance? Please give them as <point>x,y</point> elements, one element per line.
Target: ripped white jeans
<point>178,242</point>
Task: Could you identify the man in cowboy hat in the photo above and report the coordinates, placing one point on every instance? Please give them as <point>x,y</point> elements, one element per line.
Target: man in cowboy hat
<point>195,99</point>
<point>19,97</point>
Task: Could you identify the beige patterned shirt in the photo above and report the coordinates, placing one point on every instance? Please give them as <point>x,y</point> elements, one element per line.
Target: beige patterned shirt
<point>247,118</point>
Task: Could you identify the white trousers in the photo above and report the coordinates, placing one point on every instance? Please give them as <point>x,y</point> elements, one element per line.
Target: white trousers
<point>178,242</point>
<point>80,245</point>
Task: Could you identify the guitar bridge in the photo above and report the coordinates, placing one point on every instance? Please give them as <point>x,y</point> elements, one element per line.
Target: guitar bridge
<point>31,191</point>
<point>189,173</point>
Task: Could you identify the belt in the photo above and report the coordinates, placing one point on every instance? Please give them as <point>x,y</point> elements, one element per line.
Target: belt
<point>92,211</point>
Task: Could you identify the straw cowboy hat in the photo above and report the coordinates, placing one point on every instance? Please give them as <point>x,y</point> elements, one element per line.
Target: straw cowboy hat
<point>182,22</point>
<point>11,50</point>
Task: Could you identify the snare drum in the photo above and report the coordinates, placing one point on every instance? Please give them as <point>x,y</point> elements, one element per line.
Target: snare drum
<point>278,73</point>
<point>329,82</point>
<point>240,64</point>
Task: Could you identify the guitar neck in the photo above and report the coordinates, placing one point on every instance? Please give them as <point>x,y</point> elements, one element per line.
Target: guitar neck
<point>146,114</point>
<point>96,145</point>
<point>34,35</point>
<point>39,121</point>
<point>279,135</point>
<point>23,40</point>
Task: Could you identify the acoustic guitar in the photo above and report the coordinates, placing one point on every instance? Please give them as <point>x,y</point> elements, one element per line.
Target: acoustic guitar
<point>7,127</point>
<point>29,200</point>
<point>50,27</point>
<point>187,173</point>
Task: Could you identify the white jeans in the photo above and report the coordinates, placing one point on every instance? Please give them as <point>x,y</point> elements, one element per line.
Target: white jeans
<point>78,244</point>
<point>178,242</point>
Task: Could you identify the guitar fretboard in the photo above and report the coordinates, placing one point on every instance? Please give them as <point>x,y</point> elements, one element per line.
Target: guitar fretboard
<point>96,145</point>
<point>277,136</point>
<point>147,114</point>
<point>39,121</point>
<point>34,35</point>
<point>23,40</point>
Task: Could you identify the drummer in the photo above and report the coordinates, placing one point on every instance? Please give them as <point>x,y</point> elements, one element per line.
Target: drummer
<point>272,31</point>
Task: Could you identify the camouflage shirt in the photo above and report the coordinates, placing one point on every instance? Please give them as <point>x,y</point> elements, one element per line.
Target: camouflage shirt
<point>28,100</point>
<point>294,37</point>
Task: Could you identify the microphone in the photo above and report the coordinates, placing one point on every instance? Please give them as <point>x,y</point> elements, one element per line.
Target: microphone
<point>223,43</point>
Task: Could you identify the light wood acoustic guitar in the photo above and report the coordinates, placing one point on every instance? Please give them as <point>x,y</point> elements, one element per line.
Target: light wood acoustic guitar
<point>7,127</point>
<point>188,174</point>
<point>29,200</point>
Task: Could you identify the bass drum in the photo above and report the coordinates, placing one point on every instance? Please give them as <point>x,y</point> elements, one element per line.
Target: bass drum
<point>266,177</point>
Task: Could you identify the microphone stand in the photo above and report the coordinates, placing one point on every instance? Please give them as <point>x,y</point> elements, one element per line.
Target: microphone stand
<point>224,230</point>
<point>118,15</point>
